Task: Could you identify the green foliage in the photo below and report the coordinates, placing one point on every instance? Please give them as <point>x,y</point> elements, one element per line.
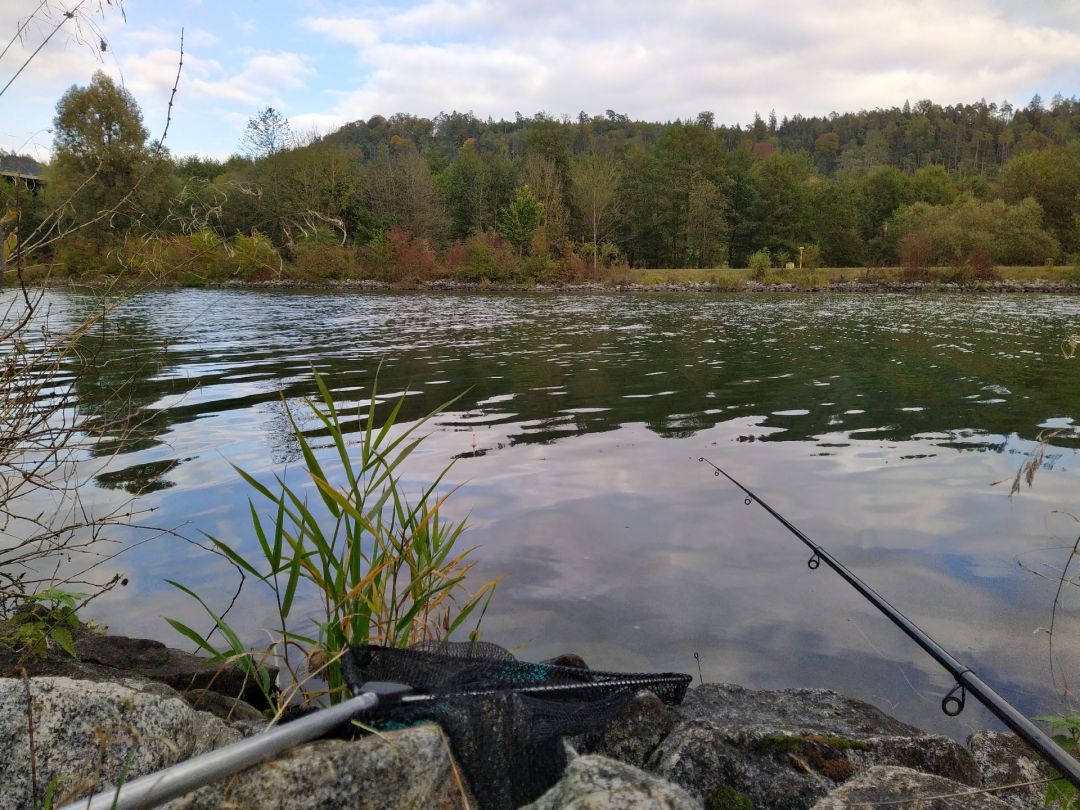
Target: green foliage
<point>103,174</point>
<point>45,617</point>
<point>1065,729</point>
<point>675,195</point>
<point>932,184</point>
<point>253,258</point>
<point>883,192</point>
<point>397,257</point>
<point>464,188</point>
<point>811,257</point>
<point>1007,234</point>
<point>381,568</point>
<point>318,261</point>
<point>777,214</point>
<point>760,263</point>
<point>519,220</point>
<point>727,798</point>
<point>100,123</point>
<point>480,263</point>
<point>1052,177</point>
<point>266,134</point>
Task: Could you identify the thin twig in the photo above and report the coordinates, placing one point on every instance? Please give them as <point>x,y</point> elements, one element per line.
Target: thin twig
<point>172,96</point>
<point>1053,615</point>
<point>67,15</point>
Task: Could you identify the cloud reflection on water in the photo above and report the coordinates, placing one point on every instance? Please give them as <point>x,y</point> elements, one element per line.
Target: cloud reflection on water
<point>615,541</point>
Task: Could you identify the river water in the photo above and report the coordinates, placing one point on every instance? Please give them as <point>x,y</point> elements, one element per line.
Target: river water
<point>878,424</point>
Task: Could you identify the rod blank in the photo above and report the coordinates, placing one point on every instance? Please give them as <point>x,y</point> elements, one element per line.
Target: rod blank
<point>1035,737</point>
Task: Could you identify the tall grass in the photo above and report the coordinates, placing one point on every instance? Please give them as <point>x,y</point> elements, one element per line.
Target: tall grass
<point>382,568</point>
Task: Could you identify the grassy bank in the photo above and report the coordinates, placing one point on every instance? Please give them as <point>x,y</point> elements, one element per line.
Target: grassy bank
<point>396,260</point>
<point>824,277</point>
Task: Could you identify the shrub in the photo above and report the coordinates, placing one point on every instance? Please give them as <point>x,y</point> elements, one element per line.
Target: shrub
<point>916,252</point>
<point>760,263</point>
<point>76,255</point>
<point>253,258</point>
<point>383,569</point>
<point>315,260</point>
<point>975,266</point>
<point>487,257</point>
<point>395,256</point>
<point>454,258</point>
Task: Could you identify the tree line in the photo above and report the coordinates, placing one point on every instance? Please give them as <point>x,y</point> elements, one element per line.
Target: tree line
<point>543,199</point>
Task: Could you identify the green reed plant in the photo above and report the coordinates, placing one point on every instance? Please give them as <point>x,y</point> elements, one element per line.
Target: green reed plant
<point>382,568</point>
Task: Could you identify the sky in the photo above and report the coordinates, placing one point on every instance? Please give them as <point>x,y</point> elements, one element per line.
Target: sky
<point>323,63</point>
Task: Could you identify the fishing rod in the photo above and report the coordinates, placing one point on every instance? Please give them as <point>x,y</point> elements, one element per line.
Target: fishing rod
<point>159,787</point>
<point>966,679</point>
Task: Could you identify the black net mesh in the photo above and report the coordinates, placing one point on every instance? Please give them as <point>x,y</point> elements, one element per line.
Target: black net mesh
<point>505,718</point>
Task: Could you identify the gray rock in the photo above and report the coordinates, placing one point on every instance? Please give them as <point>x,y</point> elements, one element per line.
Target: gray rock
<point>408,768</point>
<point>788,748</point>
<point>88,734</point>
<point>818,711</point>
<point>635,731</point>
<point>567,660</point>
<point>219,705</point>
<point>887,783</point>
<point>599,783</point>
<point>1004,759</point>
<point>110,658</point>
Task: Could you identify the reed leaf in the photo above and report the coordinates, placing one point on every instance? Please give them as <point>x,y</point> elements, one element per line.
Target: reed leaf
<point>383,568</point>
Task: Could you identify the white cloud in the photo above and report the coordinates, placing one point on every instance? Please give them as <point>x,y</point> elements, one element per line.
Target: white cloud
<point>259,81</point>
<point>338,60</point>
<point>661,61</point>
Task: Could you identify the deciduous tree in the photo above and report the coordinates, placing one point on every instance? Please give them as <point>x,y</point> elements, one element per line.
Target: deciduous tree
<point>595,183</point>
<point>266,134</point>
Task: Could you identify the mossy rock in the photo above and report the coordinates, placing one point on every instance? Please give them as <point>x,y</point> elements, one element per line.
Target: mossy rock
<point>727,798</point>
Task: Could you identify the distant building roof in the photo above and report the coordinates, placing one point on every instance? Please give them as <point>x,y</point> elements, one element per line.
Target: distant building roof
<point>21,175</point>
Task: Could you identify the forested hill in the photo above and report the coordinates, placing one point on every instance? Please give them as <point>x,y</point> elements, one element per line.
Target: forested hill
<point>963,137</point>
<point>545,198</point>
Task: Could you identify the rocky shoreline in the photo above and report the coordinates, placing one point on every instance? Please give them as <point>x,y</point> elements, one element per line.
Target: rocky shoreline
<point>126,707</point>
<point>1006,286</point>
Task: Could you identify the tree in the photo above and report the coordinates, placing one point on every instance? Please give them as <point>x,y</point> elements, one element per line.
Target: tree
<point>595,183</point>
<point>1052,177</point>
<point>778,210</point>
<point>834,222</point>
<point>545,182</point>
<point>101,160</point>
<point>685,154</point>
<point>400,192</point>
<point>705,222</point>
<point>932,184</point>
<point>827,150</point>
<point>884,191</point>
<point>463,189</point>
<point>1007,234</point>
<point>521,218</point>
<point>266,134</point>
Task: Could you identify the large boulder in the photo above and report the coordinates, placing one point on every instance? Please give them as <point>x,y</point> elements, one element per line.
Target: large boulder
<point>633,734</point>
<point>408,768</point>
<point>88,736</point>
<point>111,658</point>
<point>70,737</point>
<point>599,783</point>
<point>1005,759</point>
<point>789,748</point>
<point>905,789</point>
